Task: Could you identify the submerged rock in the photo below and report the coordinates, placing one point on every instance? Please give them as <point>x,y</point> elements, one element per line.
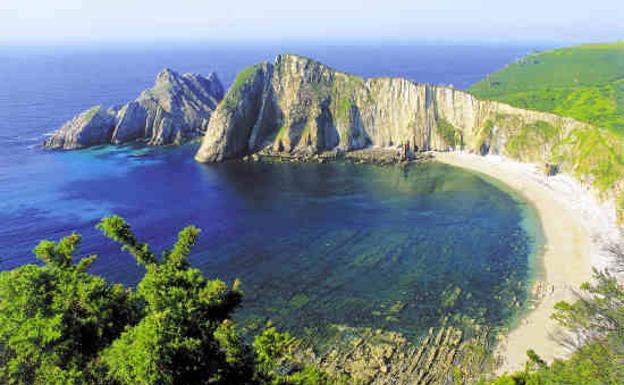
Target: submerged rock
<point>444,355</point>
<point>176,109</point>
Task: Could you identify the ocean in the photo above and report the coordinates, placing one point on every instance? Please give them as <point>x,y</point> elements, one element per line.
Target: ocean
<point>312,244</point>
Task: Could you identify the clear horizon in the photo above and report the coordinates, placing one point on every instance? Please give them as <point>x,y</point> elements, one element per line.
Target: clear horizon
<point>33,22</point>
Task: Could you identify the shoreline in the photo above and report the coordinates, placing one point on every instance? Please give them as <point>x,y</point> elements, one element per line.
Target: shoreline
<point>575,227</point>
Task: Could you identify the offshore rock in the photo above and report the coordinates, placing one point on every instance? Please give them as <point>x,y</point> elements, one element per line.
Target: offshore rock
<point>176,109</point>
<point>89,128</point>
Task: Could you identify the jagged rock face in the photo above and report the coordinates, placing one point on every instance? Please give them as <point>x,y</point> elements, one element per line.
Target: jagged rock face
<point>88,128</point>
<point>178,108</point>
<point>299,105</point>
<point>244,114</point>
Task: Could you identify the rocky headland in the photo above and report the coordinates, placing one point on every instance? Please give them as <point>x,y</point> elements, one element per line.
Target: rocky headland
<point>176,109</point>
<point>299,107</point>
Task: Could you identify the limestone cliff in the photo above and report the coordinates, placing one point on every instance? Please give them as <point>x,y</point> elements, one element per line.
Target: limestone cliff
<point>299,106</point>
<point>177,108</point>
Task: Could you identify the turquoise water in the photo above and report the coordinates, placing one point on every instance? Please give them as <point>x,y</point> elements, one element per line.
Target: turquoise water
<point>393,248</point>
<point>313,244</point>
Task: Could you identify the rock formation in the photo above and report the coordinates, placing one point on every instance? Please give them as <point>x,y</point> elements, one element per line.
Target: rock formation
<point>445,355</point>
<point>176,109</point>
<point>298,105</point>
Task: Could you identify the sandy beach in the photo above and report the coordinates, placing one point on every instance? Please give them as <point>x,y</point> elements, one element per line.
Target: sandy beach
<point>575,226</point>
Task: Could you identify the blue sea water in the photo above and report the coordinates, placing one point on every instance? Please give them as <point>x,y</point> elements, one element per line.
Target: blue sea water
<point>313,244</point>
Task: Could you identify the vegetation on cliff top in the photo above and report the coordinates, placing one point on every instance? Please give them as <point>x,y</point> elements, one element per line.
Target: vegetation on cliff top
<point>584,82</point>
<point>232,97</point>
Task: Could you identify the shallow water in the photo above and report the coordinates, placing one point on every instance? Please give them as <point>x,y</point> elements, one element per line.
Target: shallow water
<point>313,244</point>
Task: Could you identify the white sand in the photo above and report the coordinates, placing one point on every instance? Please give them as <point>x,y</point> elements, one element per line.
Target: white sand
<point>576,227</point>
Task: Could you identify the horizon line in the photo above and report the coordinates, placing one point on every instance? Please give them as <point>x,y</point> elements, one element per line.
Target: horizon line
<point>78,42</point>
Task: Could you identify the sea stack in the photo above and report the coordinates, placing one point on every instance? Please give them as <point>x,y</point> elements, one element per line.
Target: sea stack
<point>176,109</point>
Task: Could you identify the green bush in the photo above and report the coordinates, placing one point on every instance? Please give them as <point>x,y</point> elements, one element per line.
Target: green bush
<point>449,133</point>
<point>61,325</point>
<point>598,315</point>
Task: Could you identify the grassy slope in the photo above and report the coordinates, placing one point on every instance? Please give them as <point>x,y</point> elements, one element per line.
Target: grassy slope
<point>583,82</point>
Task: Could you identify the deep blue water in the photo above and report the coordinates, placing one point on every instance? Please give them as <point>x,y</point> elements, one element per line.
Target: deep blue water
<point>313,244</point>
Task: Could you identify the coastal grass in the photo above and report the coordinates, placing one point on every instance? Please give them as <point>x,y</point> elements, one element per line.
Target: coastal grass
<point>90,113</point>
<point>234,94</point>
<point>525,143</point>
<point>583,82</point>
<point>343,92</point>
<point>243,77</point>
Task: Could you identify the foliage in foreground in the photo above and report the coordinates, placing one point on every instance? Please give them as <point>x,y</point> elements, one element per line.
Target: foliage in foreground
<point>596,321</point>
<point>62,325</point>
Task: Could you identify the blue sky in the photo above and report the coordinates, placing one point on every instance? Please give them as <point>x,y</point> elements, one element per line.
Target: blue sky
<point>327,20</point>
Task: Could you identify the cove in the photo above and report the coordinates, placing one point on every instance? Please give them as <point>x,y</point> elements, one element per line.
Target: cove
<point>397,248</point>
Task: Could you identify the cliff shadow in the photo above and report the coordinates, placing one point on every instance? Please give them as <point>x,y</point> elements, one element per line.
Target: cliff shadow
<point>358,137</point>
<point>268,124</point>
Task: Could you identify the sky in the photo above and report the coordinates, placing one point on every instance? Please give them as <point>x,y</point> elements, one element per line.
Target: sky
<point>38,21</point>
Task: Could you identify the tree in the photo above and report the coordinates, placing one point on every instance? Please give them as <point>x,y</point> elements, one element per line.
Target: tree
<point>61,325</point>
<point>186,335</point>
<point>594,323</point>
<point>55,318</point>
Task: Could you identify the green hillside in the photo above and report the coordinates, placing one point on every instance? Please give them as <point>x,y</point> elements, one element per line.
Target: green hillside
<point>584,82</point>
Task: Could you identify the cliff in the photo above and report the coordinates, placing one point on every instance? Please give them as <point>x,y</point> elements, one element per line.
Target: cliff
<point>299,106</point>
<point>176,109</point>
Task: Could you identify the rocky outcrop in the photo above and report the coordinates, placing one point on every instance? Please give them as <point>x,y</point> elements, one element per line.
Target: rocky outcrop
<point>443,356</point>
<point>297,105</point>
<point>176,109</point>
